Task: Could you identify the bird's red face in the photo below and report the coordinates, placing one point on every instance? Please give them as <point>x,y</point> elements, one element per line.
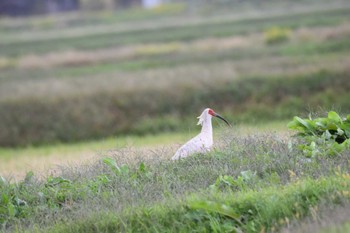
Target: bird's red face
<point>211,112</point>
<point>214,114</point>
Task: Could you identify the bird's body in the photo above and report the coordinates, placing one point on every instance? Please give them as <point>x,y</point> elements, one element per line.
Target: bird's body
<point>203,142</point>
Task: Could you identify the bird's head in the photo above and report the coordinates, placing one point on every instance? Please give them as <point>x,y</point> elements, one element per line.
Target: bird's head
<point>208,113</point>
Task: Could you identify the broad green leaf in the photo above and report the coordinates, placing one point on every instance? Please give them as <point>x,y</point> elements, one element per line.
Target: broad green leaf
<point>334,116</point>
<point>321,122</point>
<point>112,164</point>
<point>346,129</point>
<point>123,169</point>
<point>332,126</point>
<point>294,124</point>
<point>307,124</point>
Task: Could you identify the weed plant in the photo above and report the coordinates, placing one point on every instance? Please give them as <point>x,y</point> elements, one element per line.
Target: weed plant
<point>327,135</point>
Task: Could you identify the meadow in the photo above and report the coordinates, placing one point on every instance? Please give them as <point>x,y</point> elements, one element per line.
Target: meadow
<point>83,86</point>
<point>93,106</point>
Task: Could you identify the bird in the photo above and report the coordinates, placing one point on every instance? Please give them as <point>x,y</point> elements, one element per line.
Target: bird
<point>203,142</point>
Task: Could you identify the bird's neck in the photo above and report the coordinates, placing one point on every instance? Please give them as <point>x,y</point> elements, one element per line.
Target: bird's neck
<point>207,127</point>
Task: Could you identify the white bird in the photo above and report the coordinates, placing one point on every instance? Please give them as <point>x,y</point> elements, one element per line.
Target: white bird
<point>203,142</point>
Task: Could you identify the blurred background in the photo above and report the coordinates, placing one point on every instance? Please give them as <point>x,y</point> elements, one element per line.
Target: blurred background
<point>78,70</point>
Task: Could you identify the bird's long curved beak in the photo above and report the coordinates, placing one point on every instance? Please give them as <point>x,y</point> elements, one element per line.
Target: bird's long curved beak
<point>220,117</point>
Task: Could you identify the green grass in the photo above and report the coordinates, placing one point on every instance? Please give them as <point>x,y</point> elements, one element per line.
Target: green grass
<point>175,33</point>
<point>168,73</point>
<point>249,182</point>
<point>117,112</point>
<point>84,97</point>
<point>130,141</point>
<point>248,211</point>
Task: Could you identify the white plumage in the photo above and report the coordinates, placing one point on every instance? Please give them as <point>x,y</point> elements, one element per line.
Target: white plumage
<point>203,142</point>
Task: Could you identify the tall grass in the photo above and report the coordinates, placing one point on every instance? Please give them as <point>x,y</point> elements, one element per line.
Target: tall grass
<point>266,210</point>
<point>261,179</point>
<point>72,118</point>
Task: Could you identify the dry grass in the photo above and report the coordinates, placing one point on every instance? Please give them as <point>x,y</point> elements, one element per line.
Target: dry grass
<point>161,79</point>
<point>51,163</point>
<point>42,165</point>
<point>81,58</point>
<point>62,31</point>
<point>323,219</point>
<point>15,163</point>
<point>322,33</point>
<point>165,78</point>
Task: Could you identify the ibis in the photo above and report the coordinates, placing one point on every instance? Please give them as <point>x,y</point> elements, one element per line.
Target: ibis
<point>203,142</point>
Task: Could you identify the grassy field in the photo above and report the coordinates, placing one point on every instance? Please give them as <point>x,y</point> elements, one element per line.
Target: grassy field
<point>85,84</point>
<point>94,105</point>
<point>249,183</point>
<point>47,159</point>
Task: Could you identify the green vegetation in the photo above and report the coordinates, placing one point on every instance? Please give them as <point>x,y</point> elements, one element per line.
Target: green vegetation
<point>102,114</point>
<point>13,48</point>
<point>232,187</point>
<point>15,162</point>
<point>67,85</point>
<point>276,35</point>
<point>332,128</point>
<point>323,135</point>
<point>248,211</point>
<point>107,83</point>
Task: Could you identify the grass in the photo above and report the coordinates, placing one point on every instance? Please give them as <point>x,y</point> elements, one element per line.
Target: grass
<point>174,33</point>
<point>91,84</point>
<point>328,219</point>
<point>116,112</point>
<point>241,176</point>
<point>257,210</point>
<point>90,103</point>
<point>345,227</point>
<point>16,162</point>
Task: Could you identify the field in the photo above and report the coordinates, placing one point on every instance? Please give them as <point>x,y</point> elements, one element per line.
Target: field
<point>69,83</point>
<point>93,106</point>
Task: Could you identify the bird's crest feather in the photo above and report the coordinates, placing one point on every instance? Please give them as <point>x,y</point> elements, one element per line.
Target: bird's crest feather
<point>201,118</point>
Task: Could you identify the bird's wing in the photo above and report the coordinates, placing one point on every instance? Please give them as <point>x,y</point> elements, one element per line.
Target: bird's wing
<point>195,145</point>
